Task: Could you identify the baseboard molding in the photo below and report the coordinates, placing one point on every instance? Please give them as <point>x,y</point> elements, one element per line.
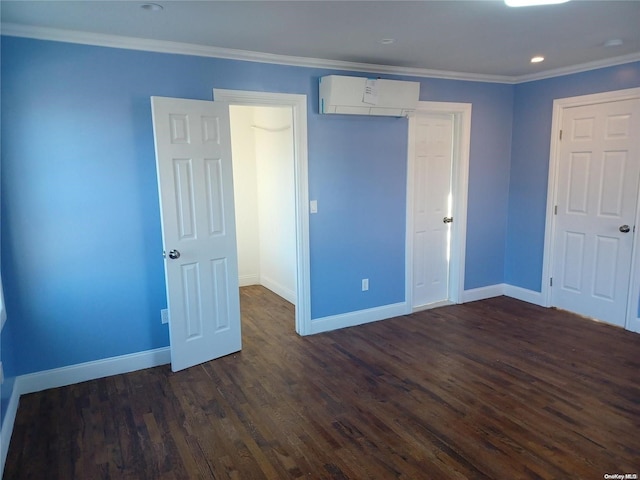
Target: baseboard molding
<point>246,280</point>
<point>505,289</point>
<point>360,317</point>
<point>81,372</point>
<point>430,306</point>
<point>7,427</point>
<point>483,292</point>
<point>279,289</point>
<point>524,294</point>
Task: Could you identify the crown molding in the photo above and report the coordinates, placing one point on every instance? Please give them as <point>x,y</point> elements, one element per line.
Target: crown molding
<point>583,67</point>
<point>163,46</point>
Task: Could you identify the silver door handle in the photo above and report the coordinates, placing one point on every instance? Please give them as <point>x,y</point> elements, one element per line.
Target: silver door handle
<point>447,219</point>
<point>174,254</point>
<point>624,228</point>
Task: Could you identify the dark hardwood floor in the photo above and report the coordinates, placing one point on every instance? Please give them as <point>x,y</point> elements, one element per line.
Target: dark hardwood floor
<point>496,389</point>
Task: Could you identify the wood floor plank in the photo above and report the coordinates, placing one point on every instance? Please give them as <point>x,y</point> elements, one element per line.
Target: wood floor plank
<point>495,389</point>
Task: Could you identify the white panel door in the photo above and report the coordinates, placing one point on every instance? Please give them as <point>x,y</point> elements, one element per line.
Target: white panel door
<point>598,175</point>
<point>432,205</point>
<point>193,157</point>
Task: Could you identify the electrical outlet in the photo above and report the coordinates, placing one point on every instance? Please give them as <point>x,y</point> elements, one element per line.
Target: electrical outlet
<point>164,315</point>
<point>365,284</point>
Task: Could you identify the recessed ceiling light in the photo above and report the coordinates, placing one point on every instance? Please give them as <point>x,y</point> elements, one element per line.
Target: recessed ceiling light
<point>614,42</point>
<point>151,7</point>
<point>387,41</point>
<point>532,3</point>
<point>537,59</point>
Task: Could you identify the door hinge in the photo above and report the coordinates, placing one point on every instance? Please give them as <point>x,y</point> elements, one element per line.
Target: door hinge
<point>551,281</point>
<point>555,210</point>
<point>560,134</point>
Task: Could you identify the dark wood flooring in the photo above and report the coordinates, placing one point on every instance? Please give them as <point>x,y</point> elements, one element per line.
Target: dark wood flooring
<point>496,389</point>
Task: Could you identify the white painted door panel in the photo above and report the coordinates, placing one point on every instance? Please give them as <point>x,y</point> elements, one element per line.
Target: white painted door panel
<point>432,203</point>
<point>193,157</point>
<point>598,176</point>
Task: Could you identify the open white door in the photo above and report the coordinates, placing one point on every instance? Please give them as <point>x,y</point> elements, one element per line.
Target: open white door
<point>195,181</point>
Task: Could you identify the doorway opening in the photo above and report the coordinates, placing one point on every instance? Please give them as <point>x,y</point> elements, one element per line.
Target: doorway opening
<point>278,257</point>
<point>264,192</point>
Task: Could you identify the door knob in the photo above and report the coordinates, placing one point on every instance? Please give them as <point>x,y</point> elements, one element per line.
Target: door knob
<point>447,219</point>
<point>624,228</point>
<point>174,254</point>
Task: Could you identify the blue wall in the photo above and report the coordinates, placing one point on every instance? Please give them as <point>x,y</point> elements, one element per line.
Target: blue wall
<point>533,110</point>
<point>81,240</point>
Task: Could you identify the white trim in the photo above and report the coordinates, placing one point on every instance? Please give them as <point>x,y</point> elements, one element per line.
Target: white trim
<point>360,317</point>
<point>505,289</point>
<point>162,46</point>
<point>7,426</point>
<point>483,293</point>
<point>81,372</point>
<point>246,280</point>
<point>298,103</point>
<point>430,306</point>
<point>632,322</point>
<point>460,187</point>
<point>523,294</point>
<point>583,67</point>
<point>278,289</point>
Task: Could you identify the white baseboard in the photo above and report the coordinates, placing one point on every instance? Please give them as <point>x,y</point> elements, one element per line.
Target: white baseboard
<point>360,317</point>
<point>246,280</point>
<point>7,427</point>
<point>482,293</point>
<point>505,289</point>
<point>279,289</point>
<point>81,372</point>
<point>430,306</point>
<point>524,294</point>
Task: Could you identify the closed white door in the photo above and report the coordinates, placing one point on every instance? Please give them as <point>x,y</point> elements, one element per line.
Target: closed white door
<point>193,157</point>
<point>432,175</point>
<point>596,201</point>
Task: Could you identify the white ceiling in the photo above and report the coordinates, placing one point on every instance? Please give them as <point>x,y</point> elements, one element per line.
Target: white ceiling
<point>472,38</point>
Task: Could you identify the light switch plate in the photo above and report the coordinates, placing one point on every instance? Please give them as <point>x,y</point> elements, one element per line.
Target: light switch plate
<point>313,206</point>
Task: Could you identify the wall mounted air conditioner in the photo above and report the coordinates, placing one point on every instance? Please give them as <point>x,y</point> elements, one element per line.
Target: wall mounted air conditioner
<point>367,96</point>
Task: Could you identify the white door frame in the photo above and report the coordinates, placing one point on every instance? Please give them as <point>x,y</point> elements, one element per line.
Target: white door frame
<point>298,104</point>
<point>460,181</point>
<point>632,322</point>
